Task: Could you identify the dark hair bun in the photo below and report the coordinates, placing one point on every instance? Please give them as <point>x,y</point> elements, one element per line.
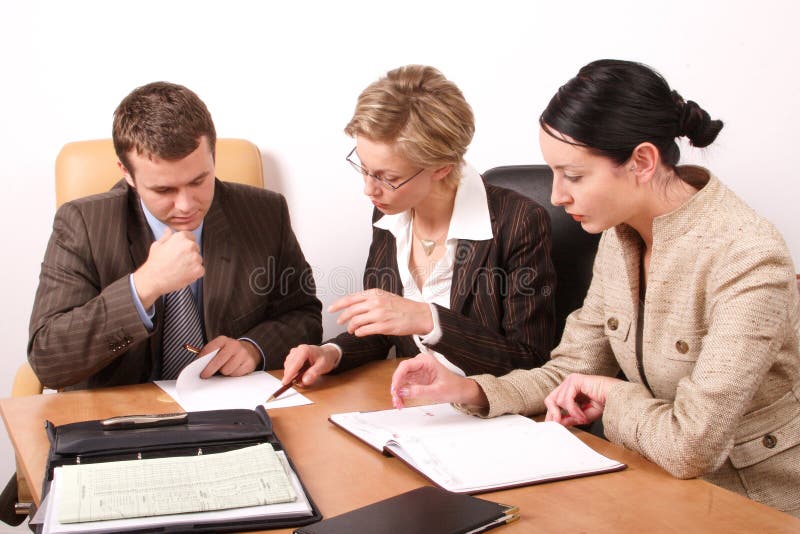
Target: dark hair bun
<point>612,106</point>
<point>695,122</point>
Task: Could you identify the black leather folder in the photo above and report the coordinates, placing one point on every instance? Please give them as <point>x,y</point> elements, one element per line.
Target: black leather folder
<point>208,432</point>
<point>425,510</point>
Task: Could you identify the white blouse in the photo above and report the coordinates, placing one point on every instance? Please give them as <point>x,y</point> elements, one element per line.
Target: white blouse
<point>470,220</point>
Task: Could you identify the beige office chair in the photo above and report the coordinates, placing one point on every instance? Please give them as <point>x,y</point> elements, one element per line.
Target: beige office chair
<point>88,167</point>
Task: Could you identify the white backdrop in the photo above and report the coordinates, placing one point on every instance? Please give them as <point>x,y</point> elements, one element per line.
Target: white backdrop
<point>286,76</point>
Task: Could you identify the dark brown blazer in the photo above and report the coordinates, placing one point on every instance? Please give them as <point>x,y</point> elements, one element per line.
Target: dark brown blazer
<point>501,301</point>
<point>85,330</point>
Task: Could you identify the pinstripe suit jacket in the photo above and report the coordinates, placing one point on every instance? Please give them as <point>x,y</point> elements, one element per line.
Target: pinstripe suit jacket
<point>85,330</point>
<point>501,306</point>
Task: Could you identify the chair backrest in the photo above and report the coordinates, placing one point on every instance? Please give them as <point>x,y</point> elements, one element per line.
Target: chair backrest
<point>573,249</point>
<point>25,382</point>
<point>87,167</point>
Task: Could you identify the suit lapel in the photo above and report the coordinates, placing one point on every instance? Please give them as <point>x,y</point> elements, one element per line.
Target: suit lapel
<point>384,272</point>
<point>386,269</point>
<point>140,237</point>
<point>470,257</point>
<point>219,261</point>
<point>632,256</point>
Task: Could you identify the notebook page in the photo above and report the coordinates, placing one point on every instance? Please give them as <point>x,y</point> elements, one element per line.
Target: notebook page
<point>503,455</point>
<point>379,427</point>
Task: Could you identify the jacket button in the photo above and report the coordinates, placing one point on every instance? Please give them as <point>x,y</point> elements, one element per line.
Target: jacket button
<point>612,323</point>
<point>681,346</point>
<point>769,441</point>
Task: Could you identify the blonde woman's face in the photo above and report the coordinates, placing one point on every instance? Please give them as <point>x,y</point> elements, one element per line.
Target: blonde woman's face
<point>593,189</point>
<point>381,160</point>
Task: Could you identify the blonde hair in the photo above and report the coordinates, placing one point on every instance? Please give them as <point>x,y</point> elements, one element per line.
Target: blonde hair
<point>420,111</point>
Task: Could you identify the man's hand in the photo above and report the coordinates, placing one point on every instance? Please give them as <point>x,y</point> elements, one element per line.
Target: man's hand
<point>235,357</point>
<point>323,360</point>
<point>376,311</point>
<point>579,399</point>
<point>173,263</point>
<point>424,377</point>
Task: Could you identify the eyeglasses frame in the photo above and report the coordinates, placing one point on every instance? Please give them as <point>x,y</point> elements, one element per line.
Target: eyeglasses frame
<point>385,183</point>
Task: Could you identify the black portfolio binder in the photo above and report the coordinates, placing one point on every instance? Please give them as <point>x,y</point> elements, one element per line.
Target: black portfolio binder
<point>425,510</point>
<point>182,435</point>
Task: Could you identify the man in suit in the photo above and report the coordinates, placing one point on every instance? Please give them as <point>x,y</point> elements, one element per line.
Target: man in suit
<point>108,309</point>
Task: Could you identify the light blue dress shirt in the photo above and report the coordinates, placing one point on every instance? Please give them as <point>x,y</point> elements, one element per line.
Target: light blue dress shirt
<point>158,228</point>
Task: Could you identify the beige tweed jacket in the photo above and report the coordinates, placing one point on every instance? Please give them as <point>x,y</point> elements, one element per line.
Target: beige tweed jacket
<point>720,349</point>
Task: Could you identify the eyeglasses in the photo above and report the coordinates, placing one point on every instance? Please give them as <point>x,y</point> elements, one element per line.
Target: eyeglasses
<point>383,181</point>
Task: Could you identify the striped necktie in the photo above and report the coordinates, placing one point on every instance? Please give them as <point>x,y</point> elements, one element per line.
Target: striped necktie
<point>181,325</point>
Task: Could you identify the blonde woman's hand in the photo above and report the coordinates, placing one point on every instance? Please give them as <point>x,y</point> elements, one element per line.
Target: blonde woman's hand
<point>376,311</point>
<point>323,360</point>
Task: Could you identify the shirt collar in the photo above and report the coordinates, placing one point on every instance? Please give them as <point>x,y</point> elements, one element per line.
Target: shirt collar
<point>158,228</point>
<point>694,211</point>
<point>470,219</point>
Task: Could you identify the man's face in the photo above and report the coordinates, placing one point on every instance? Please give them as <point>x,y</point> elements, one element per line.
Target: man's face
<point>178,193</point>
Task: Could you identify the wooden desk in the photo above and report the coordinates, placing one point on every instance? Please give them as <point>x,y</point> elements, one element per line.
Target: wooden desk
<point>342,473</point>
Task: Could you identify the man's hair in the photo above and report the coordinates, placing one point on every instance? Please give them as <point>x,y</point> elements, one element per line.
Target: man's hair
<point>422,112</point>
<point>161,119</point>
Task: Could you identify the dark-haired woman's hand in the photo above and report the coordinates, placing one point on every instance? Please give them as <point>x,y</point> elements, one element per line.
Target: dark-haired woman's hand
<point>579,399</point>
<point>424,377</point>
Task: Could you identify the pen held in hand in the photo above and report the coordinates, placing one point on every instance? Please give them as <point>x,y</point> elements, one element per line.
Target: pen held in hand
<point>296,380</point>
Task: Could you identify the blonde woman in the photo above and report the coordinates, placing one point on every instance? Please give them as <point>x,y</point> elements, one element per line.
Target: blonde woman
<point>693,297</point>
<point>457,268</point>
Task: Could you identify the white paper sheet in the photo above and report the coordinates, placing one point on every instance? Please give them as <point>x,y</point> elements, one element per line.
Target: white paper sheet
<point>226,392</point>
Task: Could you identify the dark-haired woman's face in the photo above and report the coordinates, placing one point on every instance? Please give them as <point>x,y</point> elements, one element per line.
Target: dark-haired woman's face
<point>593,189</point>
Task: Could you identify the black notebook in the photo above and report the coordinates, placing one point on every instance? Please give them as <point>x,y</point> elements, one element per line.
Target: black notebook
<point>425,510</point>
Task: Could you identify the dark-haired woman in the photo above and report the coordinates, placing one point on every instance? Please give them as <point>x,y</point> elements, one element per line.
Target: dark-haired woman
<point>693,297</point>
